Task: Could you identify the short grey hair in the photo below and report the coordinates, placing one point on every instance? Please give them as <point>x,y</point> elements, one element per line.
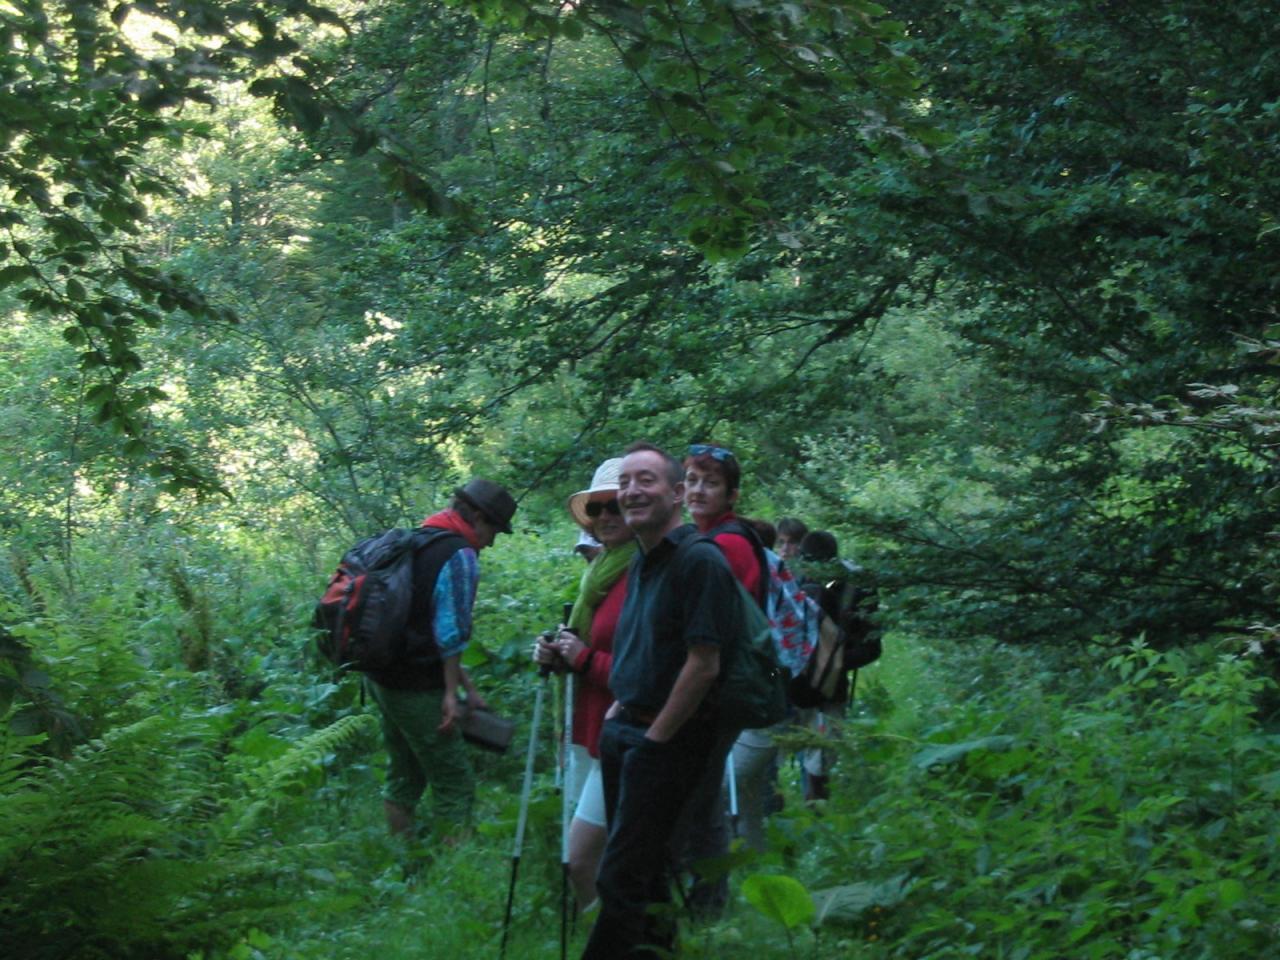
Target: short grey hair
<point>675,469</point>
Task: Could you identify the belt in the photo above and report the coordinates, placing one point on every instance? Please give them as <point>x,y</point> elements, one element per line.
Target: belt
<point>638,717</point>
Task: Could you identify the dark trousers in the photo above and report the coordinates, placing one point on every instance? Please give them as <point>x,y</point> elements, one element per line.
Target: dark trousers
<point>703,834</point>
<point>646,786</point>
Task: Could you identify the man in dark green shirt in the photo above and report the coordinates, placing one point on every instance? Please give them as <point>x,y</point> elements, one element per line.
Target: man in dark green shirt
<point>681,610</point>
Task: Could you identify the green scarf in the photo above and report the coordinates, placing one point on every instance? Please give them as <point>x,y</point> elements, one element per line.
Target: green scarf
<point>601,574</point>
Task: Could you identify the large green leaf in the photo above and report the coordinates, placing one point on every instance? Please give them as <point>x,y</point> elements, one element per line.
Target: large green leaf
<point>850,901</point>
<point>780,898</point>
<point>945,754</point>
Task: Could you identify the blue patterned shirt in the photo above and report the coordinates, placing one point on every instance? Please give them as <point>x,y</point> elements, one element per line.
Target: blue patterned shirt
<point>455,594</point>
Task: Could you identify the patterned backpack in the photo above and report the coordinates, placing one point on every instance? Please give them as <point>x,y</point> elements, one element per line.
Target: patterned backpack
<point>794,617</point>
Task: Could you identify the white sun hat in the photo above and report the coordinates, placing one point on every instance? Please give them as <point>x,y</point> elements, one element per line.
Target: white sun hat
<point>604,481</point>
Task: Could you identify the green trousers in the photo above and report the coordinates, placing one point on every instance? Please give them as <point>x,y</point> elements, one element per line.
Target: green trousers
<point>421,758</point>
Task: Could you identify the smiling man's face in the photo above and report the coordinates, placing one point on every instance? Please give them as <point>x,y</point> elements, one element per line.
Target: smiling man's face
<point>649,500</point>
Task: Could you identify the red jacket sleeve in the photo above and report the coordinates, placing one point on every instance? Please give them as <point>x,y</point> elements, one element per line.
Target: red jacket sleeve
<point>742,559</point>
<point>598,663</point>
<point>595,662</point>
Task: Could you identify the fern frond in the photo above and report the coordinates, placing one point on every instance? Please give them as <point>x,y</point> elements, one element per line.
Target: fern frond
<point>16,751</point>
<point>274,781</point>
<point>101,847</point>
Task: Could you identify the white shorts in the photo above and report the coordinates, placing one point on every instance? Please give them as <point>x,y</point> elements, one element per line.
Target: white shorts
<point>586,782</point>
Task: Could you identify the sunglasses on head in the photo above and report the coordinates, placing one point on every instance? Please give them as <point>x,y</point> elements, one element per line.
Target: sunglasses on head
<point>596,507</point>
<point>707,450</point>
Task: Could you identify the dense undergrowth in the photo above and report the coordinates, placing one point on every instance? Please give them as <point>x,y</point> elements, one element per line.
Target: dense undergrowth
<point>180,778</point>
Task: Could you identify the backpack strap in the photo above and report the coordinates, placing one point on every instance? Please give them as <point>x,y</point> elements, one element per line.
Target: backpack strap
<point>434,547</point>
<point>748,532</point>
<point>687,541</point>
<point>695,536</point>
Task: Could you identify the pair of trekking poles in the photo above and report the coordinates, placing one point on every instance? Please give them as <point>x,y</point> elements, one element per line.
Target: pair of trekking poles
<point>566,802</point>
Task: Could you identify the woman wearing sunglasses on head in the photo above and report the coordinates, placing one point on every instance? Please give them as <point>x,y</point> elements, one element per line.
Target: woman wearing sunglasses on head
<point>712,477</point>
<point>586,649</point>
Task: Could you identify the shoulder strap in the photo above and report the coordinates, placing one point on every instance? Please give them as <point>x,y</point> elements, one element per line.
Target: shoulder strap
<point>429,535</point>
<point>445,543</point>
<point>683,546</point>
<point>738,526</point>
<point>434,548</point>
<point>745,530</point>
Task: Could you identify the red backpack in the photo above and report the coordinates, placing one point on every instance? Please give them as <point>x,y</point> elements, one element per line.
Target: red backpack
<point>364,613</point>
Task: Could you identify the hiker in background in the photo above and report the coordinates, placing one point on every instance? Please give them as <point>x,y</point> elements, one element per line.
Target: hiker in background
<point>713,480</point>
<point>585,647</point>
<point>790,533</point>
<point>681,609</point>
<point>418,697</point>
<point>818,562</point>
<point>755,757</point>
<point>587,547</point>
<point>755,771</point>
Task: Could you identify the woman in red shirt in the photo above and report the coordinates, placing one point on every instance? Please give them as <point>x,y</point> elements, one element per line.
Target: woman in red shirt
<point>712,477</point>
<point>585,647</point>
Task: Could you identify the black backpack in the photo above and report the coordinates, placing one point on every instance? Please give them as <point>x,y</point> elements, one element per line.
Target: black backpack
<point>853,603</point>
<point>849,638</point>
<point>363,617</point>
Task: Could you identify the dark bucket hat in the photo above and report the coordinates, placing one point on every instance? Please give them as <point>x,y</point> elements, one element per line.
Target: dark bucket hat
<point>491,499</point>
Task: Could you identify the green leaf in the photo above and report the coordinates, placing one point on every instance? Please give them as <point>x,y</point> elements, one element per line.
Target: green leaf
<point>1231,892</point>
<point>850,901</point>
<point>951,753</point>
<point>780,898</point>
<point>1269,783</point>
<point>571,28</point>
<point>864,46</point>
<point>1082,930</point>
<point>14,272</point>
<point>475,656</point>
<point>636,56</point>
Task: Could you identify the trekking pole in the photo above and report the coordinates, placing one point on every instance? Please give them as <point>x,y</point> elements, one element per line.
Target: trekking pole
<point>566,808</point>
<point>566,805</point>
<point>545,673</point>
<point>561,760</point>
<point>732,778</point>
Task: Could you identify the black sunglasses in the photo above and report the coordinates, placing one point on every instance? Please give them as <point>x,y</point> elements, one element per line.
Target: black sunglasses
<point>596,507</point>
<point>707,450</point>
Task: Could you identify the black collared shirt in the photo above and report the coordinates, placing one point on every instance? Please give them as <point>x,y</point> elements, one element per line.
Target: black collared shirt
<point>676,599</point>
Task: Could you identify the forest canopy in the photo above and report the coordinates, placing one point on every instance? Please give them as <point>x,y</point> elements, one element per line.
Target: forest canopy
<point>1012,264</point>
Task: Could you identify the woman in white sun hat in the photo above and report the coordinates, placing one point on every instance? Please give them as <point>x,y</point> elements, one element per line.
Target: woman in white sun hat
<point>585,647</point>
